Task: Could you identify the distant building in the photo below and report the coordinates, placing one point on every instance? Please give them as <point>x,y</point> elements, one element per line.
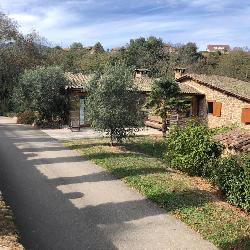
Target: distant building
<point>118,49</point>
<point>221,48</point>
<point>170,48</point>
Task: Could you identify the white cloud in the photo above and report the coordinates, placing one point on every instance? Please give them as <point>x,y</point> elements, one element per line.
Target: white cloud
<point>89,21</point>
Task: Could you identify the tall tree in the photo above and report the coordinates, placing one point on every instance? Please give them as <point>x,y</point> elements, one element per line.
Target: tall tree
<point>17,52</point>
<point>188,54</point>
<point>98,48</point>
<point>114,103</point>
<point>147,53</point>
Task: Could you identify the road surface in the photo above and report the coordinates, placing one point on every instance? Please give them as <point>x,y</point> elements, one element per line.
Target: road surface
<point>63,202</point>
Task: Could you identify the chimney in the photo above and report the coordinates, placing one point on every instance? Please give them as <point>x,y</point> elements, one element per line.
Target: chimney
<point>179,72</point>
<point>141,73</point>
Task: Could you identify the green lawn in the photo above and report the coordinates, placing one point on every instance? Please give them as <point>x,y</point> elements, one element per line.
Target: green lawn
<point>193,200</point>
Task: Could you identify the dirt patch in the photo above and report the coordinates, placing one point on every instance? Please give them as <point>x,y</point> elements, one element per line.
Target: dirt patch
<point>9,239</point>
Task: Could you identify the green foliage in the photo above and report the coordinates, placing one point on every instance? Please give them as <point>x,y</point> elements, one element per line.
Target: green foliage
<point>114,103</point>
<point>43,91</point>
<point>165,98</point>
<point>191,149</point>
<point>17,52</point>
<point>146,53</point>
<point>140,164</point>
<point>187,54</point>
<point>26,117</point>
<point>98,48</point>
<point>233,178</point>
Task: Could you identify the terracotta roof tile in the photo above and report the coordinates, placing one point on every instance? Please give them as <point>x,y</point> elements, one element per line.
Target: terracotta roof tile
<point>77,81</point>
<point>235,87</point>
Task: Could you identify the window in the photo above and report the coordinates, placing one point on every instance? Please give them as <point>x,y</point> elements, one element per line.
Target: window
<point>210,107</point>
<point>214,108</point>
<point>245,115</point>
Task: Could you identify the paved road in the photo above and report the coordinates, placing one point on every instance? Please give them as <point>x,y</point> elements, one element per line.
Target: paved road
<point>62,202</point>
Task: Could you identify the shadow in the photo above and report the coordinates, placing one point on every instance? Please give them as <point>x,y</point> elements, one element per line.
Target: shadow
<point>156,149</point>
<point>240,244</point>
<point>172,201</point>
<point>88,145</point>
<point>42,161</point>
<point>106,176</point>
<point>42,149</point>
<point>52,214</point>
<point>49,218</point>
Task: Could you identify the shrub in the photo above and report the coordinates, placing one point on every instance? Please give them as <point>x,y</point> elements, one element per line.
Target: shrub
<point>42,90</point>
<point>26,117</point>
<point>233,178</point>
<point>191,149</point>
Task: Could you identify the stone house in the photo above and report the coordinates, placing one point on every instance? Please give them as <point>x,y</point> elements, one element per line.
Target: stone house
<point>219,100</point>
<point>77,91</point>
<point>216,100</point>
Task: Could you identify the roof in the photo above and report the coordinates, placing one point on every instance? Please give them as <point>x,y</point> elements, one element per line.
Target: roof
<point>218,47</point>
<point>236,139</point>
<point>227,85</point>
<point>77,81</point>
<point>186,89</point>
<point>144,84</point>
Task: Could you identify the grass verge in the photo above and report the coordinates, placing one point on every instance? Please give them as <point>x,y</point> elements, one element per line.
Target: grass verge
<point>191,199</point>
<point>8,235</point>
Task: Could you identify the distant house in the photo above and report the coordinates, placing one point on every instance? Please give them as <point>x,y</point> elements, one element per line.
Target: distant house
<point>218,48</point>
<point>169,48</point>
<point>218,100</point>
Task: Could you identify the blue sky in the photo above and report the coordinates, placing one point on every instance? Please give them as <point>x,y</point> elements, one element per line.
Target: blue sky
<point>114,22</point>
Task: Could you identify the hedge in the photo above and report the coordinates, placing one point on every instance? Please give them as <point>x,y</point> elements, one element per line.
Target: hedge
<point>192,150</point>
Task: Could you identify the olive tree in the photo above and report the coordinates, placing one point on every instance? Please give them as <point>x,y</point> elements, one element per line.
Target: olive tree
<point>42,90</point>
<point>114,103</point>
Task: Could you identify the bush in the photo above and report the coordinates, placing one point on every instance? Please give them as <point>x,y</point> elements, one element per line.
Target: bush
<point>233,178</point>
<point>191,149</point>
<point>27,117</point>
<point>42,90</point>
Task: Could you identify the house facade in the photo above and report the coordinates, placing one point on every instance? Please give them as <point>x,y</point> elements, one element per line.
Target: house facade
<point>216,100</point>
<point>77,91</point>
<point>221,101</point>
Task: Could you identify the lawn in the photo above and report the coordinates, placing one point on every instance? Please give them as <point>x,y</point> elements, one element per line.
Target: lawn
<point>193,200</point>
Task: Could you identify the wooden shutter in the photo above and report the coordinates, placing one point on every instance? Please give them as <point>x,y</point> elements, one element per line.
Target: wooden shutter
<point>217,109</point>
<point>245,115</point>
<point>194,104</point>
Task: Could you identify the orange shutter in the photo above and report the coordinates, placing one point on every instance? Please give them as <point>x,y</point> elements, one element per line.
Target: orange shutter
<point>217,109</point>
<point>245,115</point>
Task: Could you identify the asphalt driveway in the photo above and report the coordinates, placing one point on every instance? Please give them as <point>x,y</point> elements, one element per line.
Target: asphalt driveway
<point>63,202</point>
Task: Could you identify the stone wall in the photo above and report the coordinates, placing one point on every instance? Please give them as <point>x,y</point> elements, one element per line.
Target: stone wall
<point>230,111</point>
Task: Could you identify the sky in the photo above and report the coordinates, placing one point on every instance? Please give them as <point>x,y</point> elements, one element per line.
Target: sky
<point>115,22</point>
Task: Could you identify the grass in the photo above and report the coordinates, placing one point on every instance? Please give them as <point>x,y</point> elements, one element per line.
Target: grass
<point>191,199</point>
<point>8,235</point>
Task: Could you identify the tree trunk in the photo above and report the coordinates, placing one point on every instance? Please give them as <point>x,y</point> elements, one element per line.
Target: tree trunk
<point>164,126</point>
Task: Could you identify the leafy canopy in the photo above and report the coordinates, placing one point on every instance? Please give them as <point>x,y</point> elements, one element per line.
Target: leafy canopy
<point>114,103</point>
<point>43,91</point>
